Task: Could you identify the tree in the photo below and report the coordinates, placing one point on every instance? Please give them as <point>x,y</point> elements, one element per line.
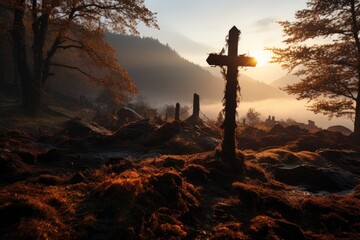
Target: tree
<point>220,118</point>
<point>323,48</point>
<point>77,25</point>
<point>253,116</point>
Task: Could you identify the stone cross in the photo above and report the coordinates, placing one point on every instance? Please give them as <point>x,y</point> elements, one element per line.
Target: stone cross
<point>232,61</point>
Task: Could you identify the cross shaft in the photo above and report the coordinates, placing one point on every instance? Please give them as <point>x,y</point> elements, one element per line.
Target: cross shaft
<point>232,61</point>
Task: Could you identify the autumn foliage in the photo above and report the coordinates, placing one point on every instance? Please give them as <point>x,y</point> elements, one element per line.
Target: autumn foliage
<point>323,48</point>
<point>53,27</point>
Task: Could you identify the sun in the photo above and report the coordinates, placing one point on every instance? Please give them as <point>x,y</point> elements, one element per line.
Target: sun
<point>263,57</point>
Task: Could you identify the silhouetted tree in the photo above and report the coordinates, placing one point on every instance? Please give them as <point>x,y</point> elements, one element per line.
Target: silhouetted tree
<point>78,25</point>
<point>220,118</point>
<point>323,48</point>
<point>253,116</point>
<point>290,121</point>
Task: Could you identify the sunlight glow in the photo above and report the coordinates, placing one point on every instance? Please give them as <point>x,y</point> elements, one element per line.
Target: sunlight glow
<point>263,57</point>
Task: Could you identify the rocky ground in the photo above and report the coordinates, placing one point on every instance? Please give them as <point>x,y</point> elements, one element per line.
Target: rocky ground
<point>165,180</point>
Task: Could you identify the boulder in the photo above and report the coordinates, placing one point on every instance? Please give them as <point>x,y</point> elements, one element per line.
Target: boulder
<point>78,128</point>
<point>340,129</point>
<point>316,179</point>
<point>133,130</point>
<point>127,115</point>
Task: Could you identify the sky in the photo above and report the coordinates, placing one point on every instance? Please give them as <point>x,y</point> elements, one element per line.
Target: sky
<point>195,28</point>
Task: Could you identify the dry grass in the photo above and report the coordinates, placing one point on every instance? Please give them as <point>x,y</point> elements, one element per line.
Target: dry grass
<point>156,198</point>
<point>188,196</point>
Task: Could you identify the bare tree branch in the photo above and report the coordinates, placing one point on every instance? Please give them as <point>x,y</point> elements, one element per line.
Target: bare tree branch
<point>73,68</point>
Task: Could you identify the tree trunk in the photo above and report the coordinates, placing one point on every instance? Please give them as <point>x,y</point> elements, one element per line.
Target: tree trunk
<point>355,30</point>
<point>40,27</point>
<point>2,59</point>
<point>32,83</point>
<point>20,55</point>
<point>357,119</point>
<point>3,18</point>
<point>15,69</point>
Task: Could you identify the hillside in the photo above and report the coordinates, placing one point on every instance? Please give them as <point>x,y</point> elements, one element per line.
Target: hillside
<point>253,90</point>
<point>285,80</point>
<point>163,76</point>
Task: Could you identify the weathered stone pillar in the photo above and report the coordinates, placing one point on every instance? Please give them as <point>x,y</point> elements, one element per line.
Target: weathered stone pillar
<point>177,112</point>
<point>196,106</point>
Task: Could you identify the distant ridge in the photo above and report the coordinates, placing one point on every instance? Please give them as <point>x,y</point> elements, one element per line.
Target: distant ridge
<point>163,76</point>
<point>285,80</point>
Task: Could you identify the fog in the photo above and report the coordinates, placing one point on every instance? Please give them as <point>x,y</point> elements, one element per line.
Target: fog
<point>281,109</point>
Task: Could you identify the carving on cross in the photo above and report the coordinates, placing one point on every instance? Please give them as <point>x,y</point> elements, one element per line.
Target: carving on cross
<point>232,61</point>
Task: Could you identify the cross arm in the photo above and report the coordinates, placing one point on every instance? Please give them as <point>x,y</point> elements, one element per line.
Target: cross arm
<point>223,60</point>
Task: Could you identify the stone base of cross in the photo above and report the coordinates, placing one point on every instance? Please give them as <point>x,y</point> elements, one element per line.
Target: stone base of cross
<point>232,61</point>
